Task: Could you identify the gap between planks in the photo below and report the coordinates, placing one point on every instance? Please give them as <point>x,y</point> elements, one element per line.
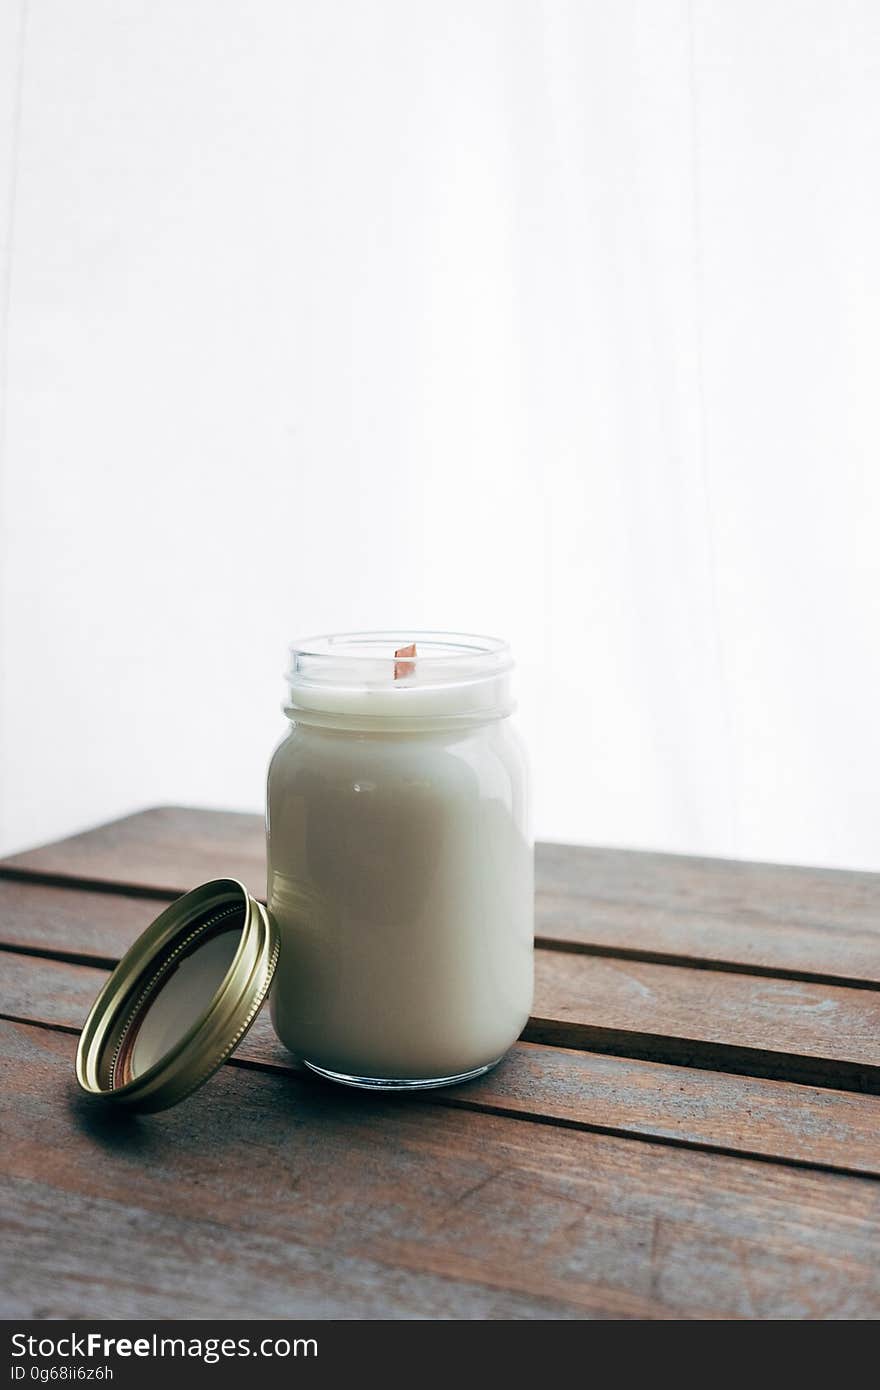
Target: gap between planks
<point>450,1101</point>
<point>708,1110</point>
<point>662,1048</point>
<point>77,883</point>
<point>730,1022</point>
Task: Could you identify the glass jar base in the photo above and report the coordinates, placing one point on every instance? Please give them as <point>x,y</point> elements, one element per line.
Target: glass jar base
<point>397,1083</point>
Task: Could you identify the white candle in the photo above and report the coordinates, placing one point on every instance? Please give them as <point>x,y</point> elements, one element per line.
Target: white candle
<point>400,860</point>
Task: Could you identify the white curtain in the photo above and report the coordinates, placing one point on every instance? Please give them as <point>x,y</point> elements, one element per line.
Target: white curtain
<point>555,320</point>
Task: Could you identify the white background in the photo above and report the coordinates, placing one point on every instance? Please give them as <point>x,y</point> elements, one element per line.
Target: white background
<point>558,321</point>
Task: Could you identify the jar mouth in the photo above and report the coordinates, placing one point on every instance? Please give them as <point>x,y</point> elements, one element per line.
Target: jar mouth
<point>382,646</point>
<point>401,673</point>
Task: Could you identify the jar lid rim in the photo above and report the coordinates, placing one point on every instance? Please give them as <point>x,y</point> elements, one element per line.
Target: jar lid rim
<point>206,1040</point>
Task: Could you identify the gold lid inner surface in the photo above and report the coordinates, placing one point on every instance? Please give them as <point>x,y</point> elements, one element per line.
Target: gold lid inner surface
<point>180,1000</point>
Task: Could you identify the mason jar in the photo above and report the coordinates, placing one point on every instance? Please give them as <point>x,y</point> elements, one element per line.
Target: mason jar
<point>400,859</point>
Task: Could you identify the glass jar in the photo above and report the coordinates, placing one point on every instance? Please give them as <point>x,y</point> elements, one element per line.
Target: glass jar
<point>400,860</point>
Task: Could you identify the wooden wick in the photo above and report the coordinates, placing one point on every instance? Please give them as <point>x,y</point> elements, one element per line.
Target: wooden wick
<point>404,668</point>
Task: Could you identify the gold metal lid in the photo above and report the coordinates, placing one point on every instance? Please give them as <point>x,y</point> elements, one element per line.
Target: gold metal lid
<point>181,999</point>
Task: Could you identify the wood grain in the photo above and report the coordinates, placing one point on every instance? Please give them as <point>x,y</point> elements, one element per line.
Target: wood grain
<point>799,922</point>
<point>815,1034</point>
<point>564,1184</point>
<point>802,923</point>
<point>163,851</point>
<point>266,1195</point>
<point>71,924</point>
<point>681,1105</point>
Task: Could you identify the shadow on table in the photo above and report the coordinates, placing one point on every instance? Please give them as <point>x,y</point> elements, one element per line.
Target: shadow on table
<point>243,1104</point>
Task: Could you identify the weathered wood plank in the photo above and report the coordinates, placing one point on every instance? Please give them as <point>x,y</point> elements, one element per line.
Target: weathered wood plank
<point>799,922</point>
<point>244,1238</point>
<point>813,1033</point>
<point>70,923</point>
<point>703,1109</point>
<point>173,1266</point>
<point>165,851</point>
<point>817,1034</point>
<point>266,1192</point>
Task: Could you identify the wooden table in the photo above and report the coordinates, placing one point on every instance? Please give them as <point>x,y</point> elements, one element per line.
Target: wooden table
<point>691,1127</point>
